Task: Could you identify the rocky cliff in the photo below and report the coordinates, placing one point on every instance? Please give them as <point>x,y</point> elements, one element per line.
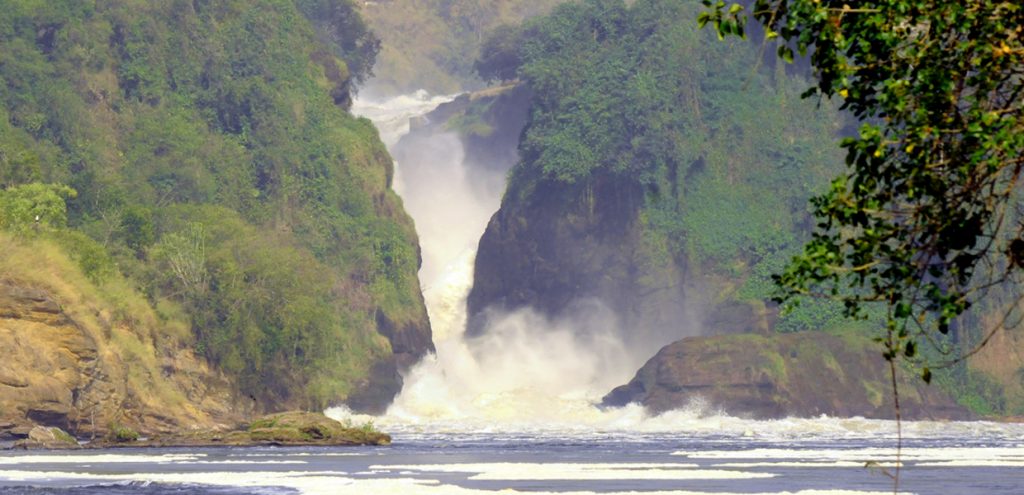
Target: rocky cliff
<point>798,374</point>
<point>88,364</point>
<point>671,196</point>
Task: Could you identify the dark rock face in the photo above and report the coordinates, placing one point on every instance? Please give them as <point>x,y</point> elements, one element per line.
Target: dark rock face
<point>798,374</point>
<point>557,245</point>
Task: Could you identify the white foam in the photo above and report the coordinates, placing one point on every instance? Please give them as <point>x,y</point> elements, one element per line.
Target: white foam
<point>99,458</point>
<point>948,456</point>
<point>974,463</point>
<point>515,471</point>
<point>330,483</point>
<point>792,464</point>
<point>226,461</point>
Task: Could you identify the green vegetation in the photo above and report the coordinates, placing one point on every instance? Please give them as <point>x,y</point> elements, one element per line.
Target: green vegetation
<point>974,390</point>
<point>925,221</point>
<point>34,207</point>
<point>723,155</point>
<point>204,153</point>
<point>122,434</point>
<point>431,44</point>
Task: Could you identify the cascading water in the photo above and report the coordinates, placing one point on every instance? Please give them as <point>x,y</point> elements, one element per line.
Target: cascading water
<point>527,373</point>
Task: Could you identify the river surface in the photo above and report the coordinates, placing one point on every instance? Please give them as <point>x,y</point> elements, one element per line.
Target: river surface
<point>824,457</point>
<point>514,411</point>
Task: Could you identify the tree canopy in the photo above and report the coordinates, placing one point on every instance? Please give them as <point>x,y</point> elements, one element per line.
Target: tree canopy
<point>927,218</point>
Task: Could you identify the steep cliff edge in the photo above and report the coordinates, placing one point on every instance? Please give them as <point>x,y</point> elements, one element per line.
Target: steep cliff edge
<point>798,374</point>
<point>87,362</point>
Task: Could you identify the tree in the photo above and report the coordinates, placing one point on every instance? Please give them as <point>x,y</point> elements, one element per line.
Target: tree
<point>137,228</point>
<point>927,218</point>
<point>33,207</point>
<point>340,26</point>
<point>499,55</point>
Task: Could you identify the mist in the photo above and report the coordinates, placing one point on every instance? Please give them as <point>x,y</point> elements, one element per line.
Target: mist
<point>526,367</point>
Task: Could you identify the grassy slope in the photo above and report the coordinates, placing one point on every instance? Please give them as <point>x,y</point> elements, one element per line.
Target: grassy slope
<point>127,330</point>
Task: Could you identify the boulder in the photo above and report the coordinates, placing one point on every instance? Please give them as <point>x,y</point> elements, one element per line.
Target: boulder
<point>802,374</point>
<point>48,438</point>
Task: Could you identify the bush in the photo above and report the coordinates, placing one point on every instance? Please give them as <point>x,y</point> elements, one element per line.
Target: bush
<point>119,433</point>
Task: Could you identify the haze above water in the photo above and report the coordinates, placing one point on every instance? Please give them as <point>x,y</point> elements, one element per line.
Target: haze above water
<point>529,374</point>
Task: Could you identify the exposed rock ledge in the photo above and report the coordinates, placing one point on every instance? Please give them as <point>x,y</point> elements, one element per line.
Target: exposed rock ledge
<point>283,429</point>
<point>799,374</point>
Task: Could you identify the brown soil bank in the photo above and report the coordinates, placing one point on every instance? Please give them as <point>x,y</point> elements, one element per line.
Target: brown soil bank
<point>796,374</point>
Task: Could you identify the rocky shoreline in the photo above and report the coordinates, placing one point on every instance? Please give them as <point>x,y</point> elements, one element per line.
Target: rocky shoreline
<point>292,429</point>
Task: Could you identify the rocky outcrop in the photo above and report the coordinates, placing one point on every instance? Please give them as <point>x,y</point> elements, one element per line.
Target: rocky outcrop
<point>295,428</point>
<point>47,438</point>
<point>562,246</point>
<point>798,374</point>
<point>71,371</point>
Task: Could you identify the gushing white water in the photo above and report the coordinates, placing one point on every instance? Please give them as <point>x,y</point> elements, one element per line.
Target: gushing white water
<point>527,369</point>
<point>529,374</point>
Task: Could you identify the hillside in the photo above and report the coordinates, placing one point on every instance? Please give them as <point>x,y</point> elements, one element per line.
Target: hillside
<point>665,175</point>
<point>643,174</point>
<point>206,156</point>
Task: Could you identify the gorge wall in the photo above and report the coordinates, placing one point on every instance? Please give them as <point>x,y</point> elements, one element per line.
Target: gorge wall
<point>663,179</point>
<point>199,159</point>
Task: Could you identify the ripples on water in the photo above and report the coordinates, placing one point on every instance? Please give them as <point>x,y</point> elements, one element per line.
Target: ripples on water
<point>938,458</point>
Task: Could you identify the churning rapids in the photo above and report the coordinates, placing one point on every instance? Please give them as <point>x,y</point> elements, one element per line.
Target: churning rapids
<point>514,411</point>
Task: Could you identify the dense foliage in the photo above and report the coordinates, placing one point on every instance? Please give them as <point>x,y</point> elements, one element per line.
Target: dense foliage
<point>926,220</point>
<point>341,27</point>
<point>725,155</point>
<point>213,163</point>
